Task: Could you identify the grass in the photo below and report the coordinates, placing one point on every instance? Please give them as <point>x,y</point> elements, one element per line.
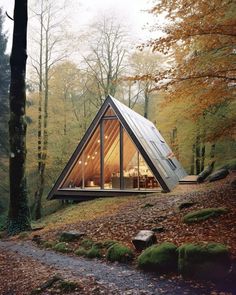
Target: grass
<point>84,211</point>
<point>200,215</point>
<point>160,258</point>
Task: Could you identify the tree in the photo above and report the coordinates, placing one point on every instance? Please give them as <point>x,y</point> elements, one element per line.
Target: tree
<point>51,50</point>
<point>200,37</point>
<point>4,116</point>
<point>4,86</point>
<point>19,215</point>
<point>105,61</point>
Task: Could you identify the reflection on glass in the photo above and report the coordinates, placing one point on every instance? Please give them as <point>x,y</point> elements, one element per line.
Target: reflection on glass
<point>137,174</point>
<point>111,154</point>
<point>86,171</point>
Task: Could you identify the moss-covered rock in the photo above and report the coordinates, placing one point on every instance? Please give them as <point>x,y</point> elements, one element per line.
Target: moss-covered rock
<point>87,243</point>
<point>108,243</point>
<point>161,258</point>
<point>49,244</point>
<point>203,214</point>
<point>62,247</point>
<point>67,286</point>
<point>120,253</point>
<point>81,251</point>
<point>94,252</point>
<point>211,261</point>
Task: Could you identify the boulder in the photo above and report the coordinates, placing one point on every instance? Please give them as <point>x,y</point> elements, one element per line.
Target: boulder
<point>207,261</point>
<point>120,253</point>
<point>71,236</point>
<point>161,258</point>
<point>219,174</point>
<point>158,229</point>
<point>205,173</point>
<point>185,205</point>
<point>144,239</point>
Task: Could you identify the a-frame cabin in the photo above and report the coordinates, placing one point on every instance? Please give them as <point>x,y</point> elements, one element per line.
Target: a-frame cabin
<point>121,153</point>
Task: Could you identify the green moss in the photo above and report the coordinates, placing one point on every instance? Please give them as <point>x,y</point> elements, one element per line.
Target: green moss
<point>87,243</point>
<point>203,214</point>
<point>49,244</point>
<point>108,243</point>
<point>160,258</point>
<point>210,261</point>
<point>23,235</point>
<point>81,251</point>
<point>67,286</point>
<point>120,253</point>
<point>61,247</point>
<point>94,252</point>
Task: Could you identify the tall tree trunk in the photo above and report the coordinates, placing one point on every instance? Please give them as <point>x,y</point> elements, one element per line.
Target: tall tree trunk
<point>212,152</point>
<point>44,151</point>
<point>19,215</point>
<point>198,154</point>
<point>203,152</point>
<point>192,160</point>
<point>146,102</point>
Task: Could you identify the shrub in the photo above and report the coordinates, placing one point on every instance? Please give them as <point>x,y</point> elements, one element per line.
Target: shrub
<point>211,261</point>
<point>120,253</point>
<point>61,247</point>
<point>160,258</point>
<point>203,214</point>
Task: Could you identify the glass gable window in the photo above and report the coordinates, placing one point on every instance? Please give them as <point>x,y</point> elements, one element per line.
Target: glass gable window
<point>86,171</point>
<point>111,154</point>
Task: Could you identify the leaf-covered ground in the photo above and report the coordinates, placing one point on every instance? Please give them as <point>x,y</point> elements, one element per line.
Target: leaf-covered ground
<point>122,220</point>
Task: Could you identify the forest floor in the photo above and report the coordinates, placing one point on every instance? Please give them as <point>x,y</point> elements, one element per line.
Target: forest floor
<point>24,267</point>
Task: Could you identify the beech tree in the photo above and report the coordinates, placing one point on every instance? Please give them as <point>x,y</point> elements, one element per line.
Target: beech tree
<point>50,50</point>
<point>105,61</point>
<point>19,215</point>
<point>200,37</point>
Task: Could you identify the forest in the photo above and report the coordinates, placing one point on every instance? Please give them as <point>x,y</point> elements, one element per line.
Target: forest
<point>183,81</point>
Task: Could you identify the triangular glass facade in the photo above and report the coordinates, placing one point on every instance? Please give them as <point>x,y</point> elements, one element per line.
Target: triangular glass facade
<point>109,160</point>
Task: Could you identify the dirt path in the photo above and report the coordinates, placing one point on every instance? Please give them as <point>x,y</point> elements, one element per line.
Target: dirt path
<point>124,279</point>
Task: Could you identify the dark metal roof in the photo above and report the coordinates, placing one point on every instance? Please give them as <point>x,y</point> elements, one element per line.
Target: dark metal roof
<point>147,139</point>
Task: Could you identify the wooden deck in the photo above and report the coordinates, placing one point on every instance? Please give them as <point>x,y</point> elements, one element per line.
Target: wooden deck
<point>189,179</point>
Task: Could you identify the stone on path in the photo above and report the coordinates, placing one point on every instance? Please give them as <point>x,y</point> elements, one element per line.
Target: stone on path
<point>71,236</point>
<point>144,239</point>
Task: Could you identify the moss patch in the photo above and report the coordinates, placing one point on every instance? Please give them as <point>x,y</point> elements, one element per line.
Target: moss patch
<point>87,243</point>
<point>81,251</point>
<point>67,286</point>
<point>94,252</point>
<point>200,215</point>
<point>120,253</point>
<point>160,258</point>
<point>211,261</point>
<point>49,244</point>
<point>61,247</point>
